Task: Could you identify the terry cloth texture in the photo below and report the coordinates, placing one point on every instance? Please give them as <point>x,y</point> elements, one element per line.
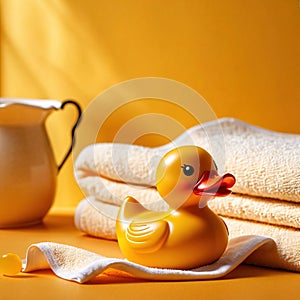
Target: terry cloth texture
<point>79,265</point>
<point>265,163</point>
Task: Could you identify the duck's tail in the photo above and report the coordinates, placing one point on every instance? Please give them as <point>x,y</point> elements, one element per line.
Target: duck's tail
<point>129,209</point>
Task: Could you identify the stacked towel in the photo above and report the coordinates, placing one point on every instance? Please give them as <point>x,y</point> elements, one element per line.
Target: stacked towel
<point>265,199</point>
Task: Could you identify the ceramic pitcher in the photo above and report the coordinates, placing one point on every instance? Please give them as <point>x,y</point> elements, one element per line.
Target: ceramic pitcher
<point>28,169</point>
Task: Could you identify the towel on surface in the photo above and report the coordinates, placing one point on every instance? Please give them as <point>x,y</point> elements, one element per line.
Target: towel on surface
<point>79,265</point>
<point>266,195</point>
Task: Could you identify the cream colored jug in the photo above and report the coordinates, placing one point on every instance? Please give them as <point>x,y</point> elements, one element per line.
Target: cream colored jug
<point>28,169</point>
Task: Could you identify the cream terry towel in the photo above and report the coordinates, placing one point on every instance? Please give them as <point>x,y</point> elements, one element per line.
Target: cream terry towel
<point>260,209</point>
<point>266,165</point>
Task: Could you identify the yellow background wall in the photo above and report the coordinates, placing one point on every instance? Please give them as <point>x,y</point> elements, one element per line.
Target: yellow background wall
<point>242,56</point>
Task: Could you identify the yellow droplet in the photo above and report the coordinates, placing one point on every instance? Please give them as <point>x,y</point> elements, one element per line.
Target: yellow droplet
<point>10,264</point>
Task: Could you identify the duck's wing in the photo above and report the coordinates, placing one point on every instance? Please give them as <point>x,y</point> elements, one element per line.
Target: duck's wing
<point>146,237</point>
<point>141,234</point>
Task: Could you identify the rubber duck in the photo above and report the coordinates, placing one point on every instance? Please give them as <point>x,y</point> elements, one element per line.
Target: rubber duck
<point>189,234</point>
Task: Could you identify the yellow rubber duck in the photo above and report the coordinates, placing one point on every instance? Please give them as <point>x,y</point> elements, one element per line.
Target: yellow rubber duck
<point>189,234</point>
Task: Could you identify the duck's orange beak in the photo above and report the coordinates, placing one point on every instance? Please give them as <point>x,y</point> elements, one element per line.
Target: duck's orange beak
<point>212,184</point>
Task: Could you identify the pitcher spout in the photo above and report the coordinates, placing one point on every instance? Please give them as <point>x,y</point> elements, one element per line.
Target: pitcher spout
<point>22,112</point>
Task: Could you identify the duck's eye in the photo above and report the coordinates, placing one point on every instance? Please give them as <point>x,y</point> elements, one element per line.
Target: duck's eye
<point>188,170</point>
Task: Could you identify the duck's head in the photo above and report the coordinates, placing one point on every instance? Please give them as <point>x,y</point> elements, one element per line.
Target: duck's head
<point>187,176</point>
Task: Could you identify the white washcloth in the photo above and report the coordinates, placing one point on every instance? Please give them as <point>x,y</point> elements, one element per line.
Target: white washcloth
<point>79,265</point>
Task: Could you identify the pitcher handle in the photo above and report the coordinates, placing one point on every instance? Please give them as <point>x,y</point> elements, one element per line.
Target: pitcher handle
<point>79,112</point>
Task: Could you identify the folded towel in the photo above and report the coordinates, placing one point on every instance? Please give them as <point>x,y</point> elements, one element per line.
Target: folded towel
<point>79,265</point>
<point>263,210</point>
<point>265,163</point>
<point>260,209</point>
<point>286,255</point>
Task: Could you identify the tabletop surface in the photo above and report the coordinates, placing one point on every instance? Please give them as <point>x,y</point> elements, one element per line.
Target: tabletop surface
<point>246,282</point>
